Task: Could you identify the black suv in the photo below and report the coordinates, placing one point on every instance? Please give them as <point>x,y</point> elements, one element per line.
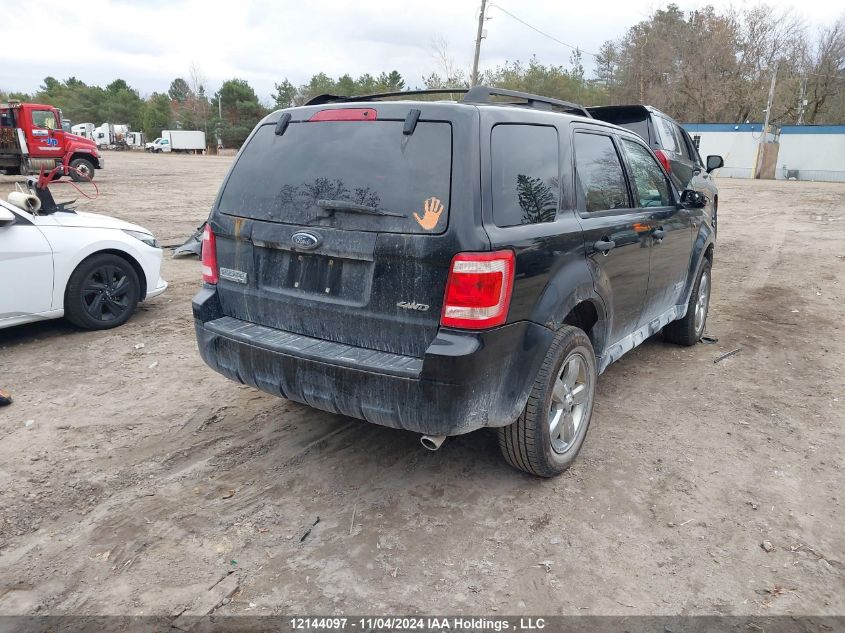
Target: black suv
<point>446,266</point>
<point>673,147</point>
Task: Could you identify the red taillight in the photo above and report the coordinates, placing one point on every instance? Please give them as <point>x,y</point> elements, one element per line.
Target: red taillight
<point>209,256</point>
<point>664,160</point>
<point>346,114</point>
<point>478,291</point>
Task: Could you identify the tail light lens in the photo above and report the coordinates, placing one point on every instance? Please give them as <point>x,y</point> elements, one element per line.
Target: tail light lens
<point>209,256</point>
<point>478,291</point>
<point>664,160</point>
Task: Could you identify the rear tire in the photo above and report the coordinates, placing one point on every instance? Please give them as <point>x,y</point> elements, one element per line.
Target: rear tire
<point>83,170</point>
<point>102,292</point>
<point>689,330</point>
<point>547,437</point>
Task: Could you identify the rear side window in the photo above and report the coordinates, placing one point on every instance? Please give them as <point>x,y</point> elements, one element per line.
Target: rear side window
<point>526,174</point>
<point>650,184</point>
<point>351,175</point>
<point>600,179</point>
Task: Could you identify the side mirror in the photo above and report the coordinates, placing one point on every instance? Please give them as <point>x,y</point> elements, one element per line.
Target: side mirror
<point>691,199</point>
<point>714,162</point>
<point>7,218</point>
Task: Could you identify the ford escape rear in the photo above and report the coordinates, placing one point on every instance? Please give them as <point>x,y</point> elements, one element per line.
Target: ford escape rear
<point>446,266</point>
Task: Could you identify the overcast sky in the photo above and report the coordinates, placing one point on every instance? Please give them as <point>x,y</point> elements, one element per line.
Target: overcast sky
<point>150,42</point>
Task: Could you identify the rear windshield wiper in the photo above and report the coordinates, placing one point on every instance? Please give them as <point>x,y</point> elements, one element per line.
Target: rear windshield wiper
<point>354,207</point>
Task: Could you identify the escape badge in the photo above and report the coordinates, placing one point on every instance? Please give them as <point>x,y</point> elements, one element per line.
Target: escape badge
<point>432,208</point>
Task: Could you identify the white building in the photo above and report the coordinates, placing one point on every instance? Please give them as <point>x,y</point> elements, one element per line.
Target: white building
<point>807,152</point>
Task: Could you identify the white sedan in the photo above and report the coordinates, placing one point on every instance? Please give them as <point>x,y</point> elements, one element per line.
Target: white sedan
<point>91,269</point>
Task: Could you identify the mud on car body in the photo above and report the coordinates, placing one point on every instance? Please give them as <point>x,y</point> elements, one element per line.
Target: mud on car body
<point>442,267</point>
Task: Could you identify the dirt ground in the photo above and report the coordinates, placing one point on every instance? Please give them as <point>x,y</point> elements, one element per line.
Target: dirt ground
<point>133,480</point>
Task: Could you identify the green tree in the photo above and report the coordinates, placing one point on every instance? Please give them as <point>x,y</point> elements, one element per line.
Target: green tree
<point>179,90</point>
<point>286,94</point>
<point>395,81</point>
<point>156,115</point>
<point>241,111</point>
<point>115,87</point>
<point>122,105</point>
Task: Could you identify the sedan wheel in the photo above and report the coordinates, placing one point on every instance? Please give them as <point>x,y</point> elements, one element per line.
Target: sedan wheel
<point>102,292</point>
<point>105,293</point>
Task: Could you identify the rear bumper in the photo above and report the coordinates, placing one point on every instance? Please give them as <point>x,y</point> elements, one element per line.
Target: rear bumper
<point>465,381</point>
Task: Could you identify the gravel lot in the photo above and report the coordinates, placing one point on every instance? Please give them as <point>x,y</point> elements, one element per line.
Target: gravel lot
<point>145,478</point>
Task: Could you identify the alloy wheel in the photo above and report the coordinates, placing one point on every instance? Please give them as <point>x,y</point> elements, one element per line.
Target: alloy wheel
<point>105,293</point>
<point>571,394</point>
<point>702,302</point>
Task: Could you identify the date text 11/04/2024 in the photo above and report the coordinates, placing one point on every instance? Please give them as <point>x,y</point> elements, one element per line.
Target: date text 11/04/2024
<point>416,624</point>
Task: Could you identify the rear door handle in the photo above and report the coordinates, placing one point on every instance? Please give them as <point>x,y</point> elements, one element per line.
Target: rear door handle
<point>604,245</point>
<point>658,234</point>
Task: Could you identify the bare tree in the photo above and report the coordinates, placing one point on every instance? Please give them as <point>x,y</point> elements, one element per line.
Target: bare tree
<point>826,72</point>
<point>453,76</point>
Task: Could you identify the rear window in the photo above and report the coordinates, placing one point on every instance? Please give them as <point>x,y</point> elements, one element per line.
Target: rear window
<point>634,119</point>
<point>354,175</point>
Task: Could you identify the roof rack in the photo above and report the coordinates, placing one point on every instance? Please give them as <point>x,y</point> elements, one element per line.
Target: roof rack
<point>482,94</point>
<point>328,98</point>
<point>478,94</point>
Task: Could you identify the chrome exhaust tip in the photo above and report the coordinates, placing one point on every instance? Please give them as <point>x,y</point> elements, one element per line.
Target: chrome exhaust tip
<point>432,442</point>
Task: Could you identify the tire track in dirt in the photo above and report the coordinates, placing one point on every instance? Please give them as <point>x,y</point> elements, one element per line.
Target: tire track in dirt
<point>769,255</point>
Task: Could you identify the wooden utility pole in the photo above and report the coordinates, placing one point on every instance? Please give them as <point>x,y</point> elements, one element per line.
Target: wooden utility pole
<point>474,80</point>
<point>802,102</point>
<point>757,167</point>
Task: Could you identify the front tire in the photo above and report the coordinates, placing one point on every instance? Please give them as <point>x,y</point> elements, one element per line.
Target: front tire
<point>102,292</point>
<point>83,170</point>
<point>689,330</point>
<point>547,437</point>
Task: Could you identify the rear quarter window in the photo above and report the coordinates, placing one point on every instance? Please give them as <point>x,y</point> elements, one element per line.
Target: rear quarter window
<point>525,163</point>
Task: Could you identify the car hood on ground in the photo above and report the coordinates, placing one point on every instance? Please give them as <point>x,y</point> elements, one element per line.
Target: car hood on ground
<point>96,221</point>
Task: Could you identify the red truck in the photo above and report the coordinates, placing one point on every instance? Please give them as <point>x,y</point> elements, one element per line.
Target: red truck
<point>31,137</point>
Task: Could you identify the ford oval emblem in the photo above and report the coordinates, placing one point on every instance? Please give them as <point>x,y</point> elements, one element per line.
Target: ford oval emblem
<point>305,241</point>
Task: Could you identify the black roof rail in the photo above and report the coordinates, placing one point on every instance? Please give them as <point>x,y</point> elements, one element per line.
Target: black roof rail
<point>482,94</point>
<point>328,98</point>
<point>478,94</point>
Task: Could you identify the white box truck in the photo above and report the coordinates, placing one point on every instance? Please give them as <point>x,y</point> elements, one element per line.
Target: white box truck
<point>85,130</point>
<point>187,141</point>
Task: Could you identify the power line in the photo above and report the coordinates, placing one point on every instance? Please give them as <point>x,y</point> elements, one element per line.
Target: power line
<point>543,33</point>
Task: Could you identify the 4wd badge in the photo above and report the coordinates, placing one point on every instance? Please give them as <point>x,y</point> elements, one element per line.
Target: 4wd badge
<point>237,276</point>
<point>412,305</point>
